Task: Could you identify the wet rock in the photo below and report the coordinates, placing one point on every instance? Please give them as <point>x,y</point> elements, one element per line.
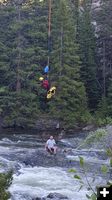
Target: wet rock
<point>42,158</point>
<point>64,143</point>
<point>89,127</point>
<point>53,196</point>
<point>38,198</point>
<point>56,196</point>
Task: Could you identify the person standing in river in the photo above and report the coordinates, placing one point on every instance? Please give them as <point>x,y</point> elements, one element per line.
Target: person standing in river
<point>51,145</point>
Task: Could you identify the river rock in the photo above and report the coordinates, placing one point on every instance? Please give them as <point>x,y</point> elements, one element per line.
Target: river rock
<point>56,196</point>
<point>53,196</point>
<point>42,158</point>
<point>89,127</point>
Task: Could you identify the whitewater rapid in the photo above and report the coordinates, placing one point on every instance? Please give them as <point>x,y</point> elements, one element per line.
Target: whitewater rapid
<point>38,181</point>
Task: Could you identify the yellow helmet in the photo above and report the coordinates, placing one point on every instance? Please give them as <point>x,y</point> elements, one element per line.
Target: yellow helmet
<point>41,79</point>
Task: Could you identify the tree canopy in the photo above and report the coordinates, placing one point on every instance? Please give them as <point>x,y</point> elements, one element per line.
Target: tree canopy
<point>80,60</point>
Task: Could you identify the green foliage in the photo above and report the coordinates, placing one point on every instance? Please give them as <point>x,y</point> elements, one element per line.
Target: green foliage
<point>72,170</point>
<point>103,121</point>
<point>81,161</point>
<point>87,42</point>
<point>109,154</point>
<point>104,44</point>
<point>20,109</point>
<point>93,197</point>
<point>109,106</point>
<point>70,100</point>
<point>5,182</point>
<point>104,169</point>
<point>101,115</point>
<point>73,67</point>
<point>77,177</point>
<point>103,19</point>
<point>111,162</point>
<point>95,137</point>
<point>24,51</point>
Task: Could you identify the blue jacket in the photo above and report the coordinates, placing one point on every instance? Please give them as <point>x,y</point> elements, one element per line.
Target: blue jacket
<point>46,69</point>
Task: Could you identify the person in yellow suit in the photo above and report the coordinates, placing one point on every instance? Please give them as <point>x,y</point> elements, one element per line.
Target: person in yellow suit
<point>51,92</point>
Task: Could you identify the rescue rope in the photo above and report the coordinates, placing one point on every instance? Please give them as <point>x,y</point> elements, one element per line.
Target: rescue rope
<point>49,32</point>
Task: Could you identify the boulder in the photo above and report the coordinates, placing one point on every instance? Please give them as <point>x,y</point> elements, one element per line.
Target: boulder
<point>56,196</point>
<point>53,196</point>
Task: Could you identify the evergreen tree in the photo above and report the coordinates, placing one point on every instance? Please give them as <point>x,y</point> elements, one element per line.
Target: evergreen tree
<point>104,43</point>
<point>20,103</point>
<point>109,99</point>
<point>86,39</point>
<point>24,43</point>
<point>70,100</point>
<point>104,19</point>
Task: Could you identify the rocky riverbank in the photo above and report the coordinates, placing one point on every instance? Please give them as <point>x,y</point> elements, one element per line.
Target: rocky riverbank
<point>43,125</point>
<point>53,196</point>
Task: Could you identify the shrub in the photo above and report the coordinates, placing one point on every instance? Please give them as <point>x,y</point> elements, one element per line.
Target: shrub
<point>5,182</point>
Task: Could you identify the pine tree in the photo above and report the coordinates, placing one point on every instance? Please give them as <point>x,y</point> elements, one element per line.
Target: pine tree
<point>20,104</point>
<point>86,38</point>
<point>109,97</point>
<point>70,100</point>
<point>103,20</point>
<point>24,40</point>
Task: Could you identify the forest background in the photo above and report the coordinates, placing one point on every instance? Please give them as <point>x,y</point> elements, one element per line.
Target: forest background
<point>80,52</point>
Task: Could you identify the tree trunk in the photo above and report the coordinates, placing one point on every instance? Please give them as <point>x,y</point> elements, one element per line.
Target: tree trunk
<point>104,70</point>
<point>61,51</point>
<point>18,84</point>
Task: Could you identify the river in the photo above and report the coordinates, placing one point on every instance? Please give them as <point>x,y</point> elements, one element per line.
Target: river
<point>36,174</point>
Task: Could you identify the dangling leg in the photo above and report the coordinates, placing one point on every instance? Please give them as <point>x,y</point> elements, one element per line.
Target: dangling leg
<point>55,150</point>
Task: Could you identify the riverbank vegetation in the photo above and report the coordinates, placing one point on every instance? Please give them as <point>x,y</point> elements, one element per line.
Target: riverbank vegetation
<point>80,61</point>
<point>92,191</point>
<point>5,182</point>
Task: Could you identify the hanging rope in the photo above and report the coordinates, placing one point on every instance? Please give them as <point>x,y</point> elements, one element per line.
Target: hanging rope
<point>49,32</point>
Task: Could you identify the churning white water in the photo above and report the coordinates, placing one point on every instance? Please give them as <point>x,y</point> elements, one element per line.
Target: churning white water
<point>31,182</point>
<point>39,181</point>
